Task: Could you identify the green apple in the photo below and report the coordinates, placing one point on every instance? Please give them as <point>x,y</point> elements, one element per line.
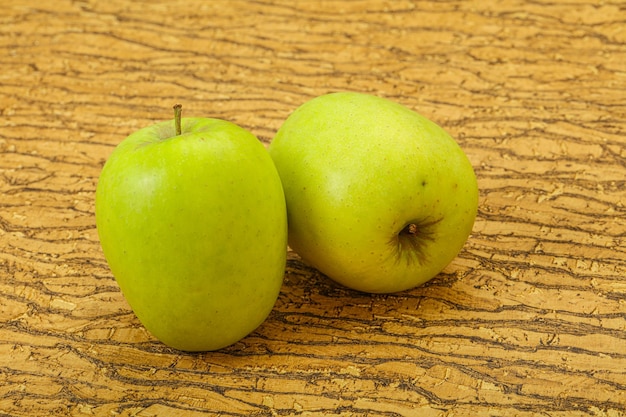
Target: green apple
<point>192,221</point>
<point>379,198</point>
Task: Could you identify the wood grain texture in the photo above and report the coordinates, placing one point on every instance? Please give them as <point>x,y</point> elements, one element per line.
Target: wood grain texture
<point>529,320</point>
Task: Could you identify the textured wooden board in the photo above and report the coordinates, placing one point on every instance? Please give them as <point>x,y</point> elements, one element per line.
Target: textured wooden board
<point>530,319</point>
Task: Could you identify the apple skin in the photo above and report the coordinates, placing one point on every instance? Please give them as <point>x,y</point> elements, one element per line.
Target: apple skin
<point>194,229</point>
<point>379,198</point>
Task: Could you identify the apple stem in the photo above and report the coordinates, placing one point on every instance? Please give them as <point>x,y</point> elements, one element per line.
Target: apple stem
<point>410,229</point>
<point>178,109</point>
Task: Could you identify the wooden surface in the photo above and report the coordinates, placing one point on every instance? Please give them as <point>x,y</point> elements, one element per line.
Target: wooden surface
<point>529,320</point>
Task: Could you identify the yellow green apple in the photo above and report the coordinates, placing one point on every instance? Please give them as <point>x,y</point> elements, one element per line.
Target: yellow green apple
<point>192,220</point>
<point>379,198</point>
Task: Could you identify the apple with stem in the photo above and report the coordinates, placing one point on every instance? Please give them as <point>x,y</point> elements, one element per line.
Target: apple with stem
<point>379,198</point>
<point>192,221</point>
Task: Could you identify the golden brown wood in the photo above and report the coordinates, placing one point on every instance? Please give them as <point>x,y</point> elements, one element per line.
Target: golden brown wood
<point>529,320</point>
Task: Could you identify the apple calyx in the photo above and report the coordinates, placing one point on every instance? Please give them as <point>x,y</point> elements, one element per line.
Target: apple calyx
<point>409,239</point>
<point>412,239</point>
<point>178,109</point>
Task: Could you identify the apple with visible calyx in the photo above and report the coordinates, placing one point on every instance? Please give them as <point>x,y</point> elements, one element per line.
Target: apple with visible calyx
<point>192,220</point>
<point>379,198</point>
